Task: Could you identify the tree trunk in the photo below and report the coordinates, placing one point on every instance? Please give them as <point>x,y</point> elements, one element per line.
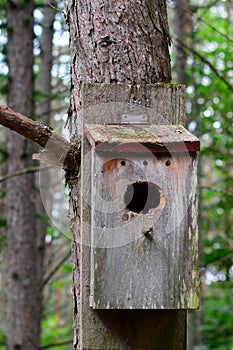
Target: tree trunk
<point>46,61</point>
<point>182,29</point>
<point>43,109</point>
<point>117,42</point>
<point>23,323</point>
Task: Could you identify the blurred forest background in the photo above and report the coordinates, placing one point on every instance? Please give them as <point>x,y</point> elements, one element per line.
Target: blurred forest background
<point>202,58</point>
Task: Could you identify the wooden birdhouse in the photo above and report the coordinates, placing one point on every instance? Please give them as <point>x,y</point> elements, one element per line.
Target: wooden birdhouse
<point>138,251</point>
<point>139,199</point>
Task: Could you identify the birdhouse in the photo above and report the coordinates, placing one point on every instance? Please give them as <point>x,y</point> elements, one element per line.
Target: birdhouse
<point>141,194</point>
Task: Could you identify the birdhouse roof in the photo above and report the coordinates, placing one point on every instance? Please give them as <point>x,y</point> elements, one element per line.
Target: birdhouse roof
<point>133,138</point>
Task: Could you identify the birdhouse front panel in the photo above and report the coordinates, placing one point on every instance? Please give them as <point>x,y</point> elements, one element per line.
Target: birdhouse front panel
<point>143,219</point>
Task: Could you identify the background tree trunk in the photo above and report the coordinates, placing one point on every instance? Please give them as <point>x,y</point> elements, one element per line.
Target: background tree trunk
<point>182,29</point>
<point>46,61</point>
<point>23,316</point>
<point>43,109</point>
<point>114,42</point>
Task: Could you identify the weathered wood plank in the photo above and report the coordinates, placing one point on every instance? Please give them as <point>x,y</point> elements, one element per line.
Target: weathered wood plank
<point>105,103</point>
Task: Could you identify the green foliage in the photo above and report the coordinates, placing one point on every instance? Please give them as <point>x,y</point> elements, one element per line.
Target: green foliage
<point>57,321</point>
<point>210,94</point>
<point>39,96</point>
<point>2,337</point>
<point>22,3</point>
<point>39,3</point>
<point>2,221</point>
<point>26,20</point>
<point>3,84</point>
<point>67,268</point>
<point>218,316</point>
<point>44,218</point>
<point>2,240</point>
<point>10,30</point>
<point>53,332</point>
<point>2,9</point>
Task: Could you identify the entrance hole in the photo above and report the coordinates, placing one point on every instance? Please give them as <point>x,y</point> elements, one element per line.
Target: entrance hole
<point>140,197</point>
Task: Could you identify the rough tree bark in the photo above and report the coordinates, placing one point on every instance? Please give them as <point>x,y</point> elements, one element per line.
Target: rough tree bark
<point>23,321</point>
<point>117,42</point>
<point>113,42</point>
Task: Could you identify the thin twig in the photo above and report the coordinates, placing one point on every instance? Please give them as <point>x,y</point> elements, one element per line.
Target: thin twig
<point>52,345</point>
<point>216,30</point>
<point>217,191</point>
<point>205,7</point>
<point>55,269</point>
<point>222,259</point>
<point>57,9</point>
<point>32,169</point>
<point>212,67</point>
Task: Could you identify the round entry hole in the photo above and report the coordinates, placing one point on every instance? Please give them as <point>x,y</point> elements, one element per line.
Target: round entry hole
<point>140,197</point>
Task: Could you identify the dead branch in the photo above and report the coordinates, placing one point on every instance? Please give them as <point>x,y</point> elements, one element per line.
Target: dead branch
<point>30,129</point>
<point>57,150</point>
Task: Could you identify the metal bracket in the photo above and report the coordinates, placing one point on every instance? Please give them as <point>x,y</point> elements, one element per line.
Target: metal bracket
<point>135,119</point>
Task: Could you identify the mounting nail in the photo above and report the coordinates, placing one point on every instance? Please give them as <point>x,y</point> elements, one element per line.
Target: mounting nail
<point>147,231</point>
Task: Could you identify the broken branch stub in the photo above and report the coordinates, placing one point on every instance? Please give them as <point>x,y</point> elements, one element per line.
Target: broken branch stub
<point>57,150</point>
